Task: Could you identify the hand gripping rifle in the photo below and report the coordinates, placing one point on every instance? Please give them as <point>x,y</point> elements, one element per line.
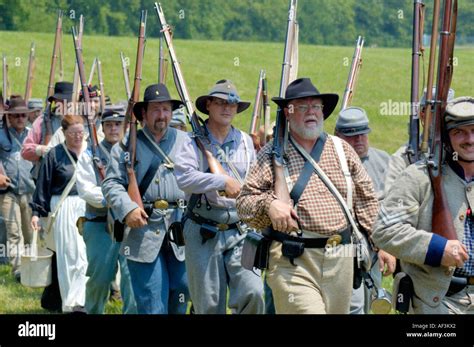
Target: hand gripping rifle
<point>201,139</point>
<point>442,221</point>
<point>133,190</point>
<point>47,114</point>
<point>417,51</point>
<point>87,101</point>
<point>353,73</point>
<point>281,127</point>
<point>31,72</point>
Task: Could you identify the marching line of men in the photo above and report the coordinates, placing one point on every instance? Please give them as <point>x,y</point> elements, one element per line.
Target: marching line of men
<point>337,182</point>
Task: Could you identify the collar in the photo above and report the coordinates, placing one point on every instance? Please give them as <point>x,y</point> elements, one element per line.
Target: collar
<point>458,169</point>
<point>107,145</point>
<point>150,134</point>
<point>232,136</point>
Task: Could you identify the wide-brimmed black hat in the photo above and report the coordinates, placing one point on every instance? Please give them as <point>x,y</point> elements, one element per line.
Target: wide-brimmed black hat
<point>62,91</point>
<point>155,93</point>
<point>224,89</point>
<point>304,88</point>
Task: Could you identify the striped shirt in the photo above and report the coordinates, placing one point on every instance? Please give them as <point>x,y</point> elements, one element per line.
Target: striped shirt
<point>318,210</point>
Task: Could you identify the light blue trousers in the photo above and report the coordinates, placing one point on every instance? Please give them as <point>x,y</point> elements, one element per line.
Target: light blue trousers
<point>103,258</point>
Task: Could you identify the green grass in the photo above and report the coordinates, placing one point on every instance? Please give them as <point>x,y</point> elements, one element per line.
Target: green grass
<point>385,73</point>
<point>17,299</point>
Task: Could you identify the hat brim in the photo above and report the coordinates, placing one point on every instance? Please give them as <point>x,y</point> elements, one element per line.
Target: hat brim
<point>138,107</point>
<point>60,97</point>
<point>201,104</point>
<point>354,133</point>
<point>19,110</point>
<point>329,101</point>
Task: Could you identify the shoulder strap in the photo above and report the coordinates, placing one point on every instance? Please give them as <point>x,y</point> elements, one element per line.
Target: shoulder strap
<point>155,149</point>
<point>307,170</point>
<point>345,169</point>
<point>150,173</point>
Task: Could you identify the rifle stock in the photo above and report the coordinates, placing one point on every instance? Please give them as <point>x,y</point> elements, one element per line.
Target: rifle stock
<point>90,118</point>
<point>417,51</point>
<point>126,76</point>
<point>30,73</point>
<point>353,73</point>
<point>256,114</point>
<point>47,115</point>
<point>442,220</point>
<point>133,190</point>
<point>281,128</point>
<point>101,85</point>
<point>214,165</point>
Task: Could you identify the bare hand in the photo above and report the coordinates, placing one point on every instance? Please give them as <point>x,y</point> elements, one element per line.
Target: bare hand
<point>4,182</point>
<point>283,216</point>
<point>386,259</point>
<point>35,223</point>
<point>137,218</point>
<point>455,254</point>
<point>232,187</point>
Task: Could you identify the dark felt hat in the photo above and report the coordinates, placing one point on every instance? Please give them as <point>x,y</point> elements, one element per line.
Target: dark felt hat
<point>16,105</point>
<point>304,88</point>
<point>62,91</point>
<point>155,93</point>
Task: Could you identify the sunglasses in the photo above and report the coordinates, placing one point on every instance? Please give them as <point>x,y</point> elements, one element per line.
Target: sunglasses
<point>18,115</point>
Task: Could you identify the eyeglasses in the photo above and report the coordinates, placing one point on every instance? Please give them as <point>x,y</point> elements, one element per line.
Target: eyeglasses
<point>305,108</point>
<point>16,116</point>
<point>75,134</point>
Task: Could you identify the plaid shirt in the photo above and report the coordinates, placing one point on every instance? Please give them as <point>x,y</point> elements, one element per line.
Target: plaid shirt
<point>468,268</point>
<point>317,208</point>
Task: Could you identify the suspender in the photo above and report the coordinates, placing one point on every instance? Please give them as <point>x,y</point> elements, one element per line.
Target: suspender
<point>307,171</point>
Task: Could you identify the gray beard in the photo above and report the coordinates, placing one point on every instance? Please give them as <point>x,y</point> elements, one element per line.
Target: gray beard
<point>306,133</point>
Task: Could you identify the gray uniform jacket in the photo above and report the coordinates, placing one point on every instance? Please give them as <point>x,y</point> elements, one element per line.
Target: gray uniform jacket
<point>376,163</point>
<point>398,162</point>
<point>403,228</point>
<point>16,168</point>
<point>143,244</point>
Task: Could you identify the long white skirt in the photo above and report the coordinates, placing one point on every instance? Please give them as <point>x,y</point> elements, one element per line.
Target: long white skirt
<point>70,252</point>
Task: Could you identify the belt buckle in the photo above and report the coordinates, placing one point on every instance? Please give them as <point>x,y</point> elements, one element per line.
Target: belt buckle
<point>222,226</point>
<point>161,204</point>
<point>334,240</point>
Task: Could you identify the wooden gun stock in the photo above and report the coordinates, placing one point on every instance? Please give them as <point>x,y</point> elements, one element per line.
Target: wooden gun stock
<point>133,190</point>
<point>30,73</point>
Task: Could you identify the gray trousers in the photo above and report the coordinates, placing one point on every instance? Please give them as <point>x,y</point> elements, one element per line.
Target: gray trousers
<point>213,267</point>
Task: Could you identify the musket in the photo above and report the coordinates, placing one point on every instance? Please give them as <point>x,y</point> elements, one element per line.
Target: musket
<point>429,89</point>
<point>412,150</point>
<point>101,85</point>
<point>256,114</point>
<point>442,220</point>
<point>266,111</point>
<point>126,76</point>
<point>5,79</point>
<point>5,124</point>
<point>353,73</point>
<point>133,190</point>
<point>200,137</point>
<point>161,63</point>
<point>30,74</point>
<point>91,74</point>
<point>47,115</point>
<point>87,101</point>
<point>76,82</point>
<point>281,127</point>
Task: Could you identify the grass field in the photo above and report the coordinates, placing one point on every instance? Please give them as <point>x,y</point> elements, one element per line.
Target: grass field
<point>385,76</point>
<point>385,73</point>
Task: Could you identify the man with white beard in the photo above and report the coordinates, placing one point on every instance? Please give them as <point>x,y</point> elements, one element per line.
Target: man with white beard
<point>309,271</point>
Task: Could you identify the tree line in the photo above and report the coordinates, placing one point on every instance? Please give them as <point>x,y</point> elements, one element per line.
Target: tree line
<point>386,23</point>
